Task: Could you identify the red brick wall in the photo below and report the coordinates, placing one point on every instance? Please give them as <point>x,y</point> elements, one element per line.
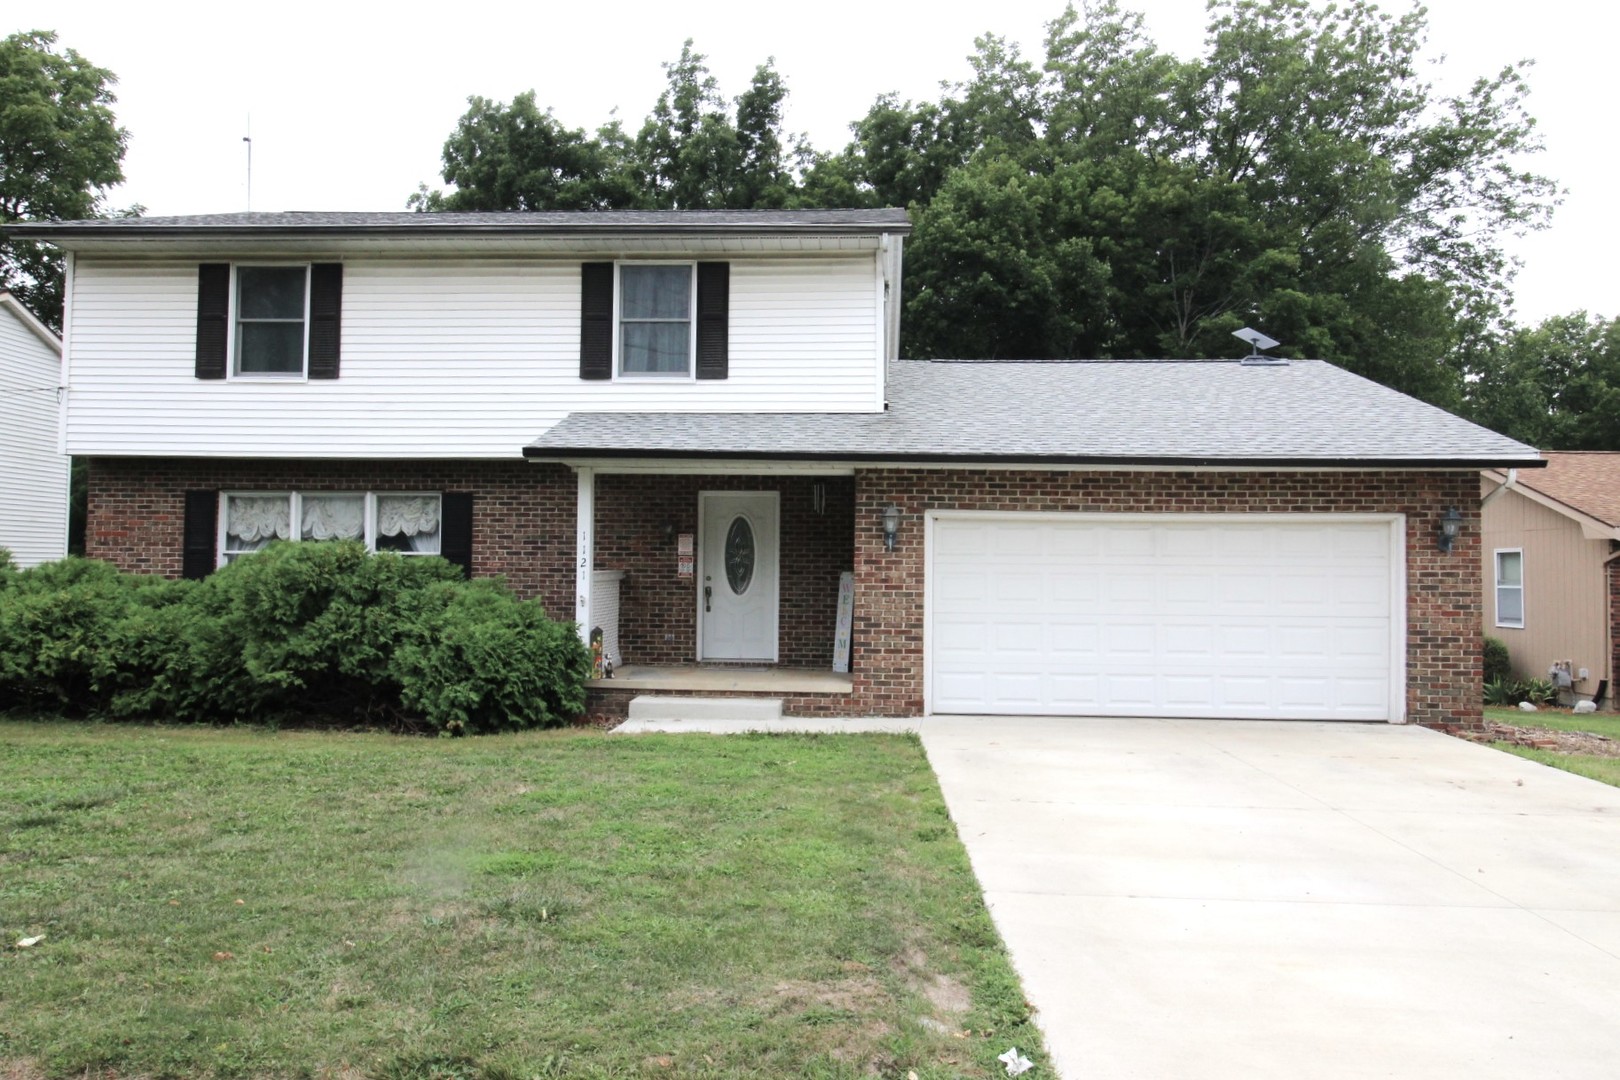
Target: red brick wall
<point>658,623</point>
<point>1614,630</point>
<point>524,528</point>
<point>523,514</point>
<point>1444,601</point>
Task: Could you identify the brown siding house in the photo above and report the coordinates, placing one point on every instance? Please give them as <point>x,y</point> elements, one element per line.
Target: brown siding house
<point>1548,569</point>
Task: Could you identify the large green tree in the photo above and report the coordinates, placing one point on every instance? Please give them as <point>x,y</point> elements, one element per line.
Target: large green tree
<point>1556,385</point>
<point>1300,175</point>
<point>1110,200</point>
<point>60,150</point>
<point>697,150</point>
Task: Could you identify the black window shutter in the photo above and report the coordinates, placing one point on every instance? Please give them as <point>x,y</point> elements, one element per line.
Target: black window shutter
<point>455,530</point>
<point>713,311</point>
<point>198,557</point>
<point>213,314</point>
<point>596,321</point>
<point>325,319</point>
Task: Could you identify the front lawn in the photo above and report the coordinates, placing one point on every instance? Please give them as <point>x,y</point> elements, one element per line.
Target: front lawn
<point>1598,723</point>
<point>563,904</point>
<point>1575,753</point>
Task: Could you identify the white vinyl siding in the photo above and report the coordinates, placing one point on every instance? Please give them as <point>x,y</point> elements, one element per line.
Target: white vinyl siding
<point>1276,617</point>
<point>448,359</point>
<point>34,493</point>
<point>1510,588</point>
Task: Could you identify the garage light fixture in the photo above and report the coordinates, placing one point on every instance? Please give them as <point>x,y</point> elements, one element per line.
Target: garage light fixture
<point>891,526</point>
<point>1450,526</point>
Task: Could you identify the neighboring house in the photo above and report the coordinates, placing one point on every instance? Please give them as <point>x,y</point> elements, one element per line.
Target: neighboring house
<point>33,469</point>
<point>1550,566</point>
<point>685,427</point>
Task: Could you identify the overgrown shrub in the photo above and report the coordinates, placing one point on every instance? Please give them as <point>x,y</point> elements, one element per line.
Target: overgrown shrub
<point>309,630</point>
<point>485,661</point>
<point>1498,664</point>
<point>58,625</point>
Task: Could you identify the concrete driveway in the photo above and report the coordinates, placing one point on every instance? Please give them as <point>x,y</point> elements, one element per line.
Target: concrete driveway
<point>1196,899</point>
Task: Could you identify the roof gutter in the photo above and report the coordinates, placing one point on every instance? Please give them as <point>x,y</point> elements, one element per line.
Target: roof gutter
<point>564,453</point>
<point>65,231</point>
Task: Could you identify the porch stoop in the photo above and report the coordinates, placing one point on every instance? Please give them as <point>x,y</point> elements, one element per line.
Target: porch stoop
<point>649,707</point>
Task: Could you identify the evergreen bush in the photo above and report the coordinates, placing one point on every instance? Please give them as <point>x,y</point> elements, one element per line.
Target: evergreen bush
<point>323,631</point>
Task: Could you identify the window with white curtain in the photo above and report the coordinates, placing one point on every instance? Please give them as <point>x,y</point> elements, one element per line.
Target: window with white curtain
<point>655,318</point>
<point>406,523</point>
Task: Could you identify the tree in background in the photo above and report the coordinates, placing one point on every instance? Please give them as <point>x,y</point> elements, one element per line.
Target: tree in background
<point>696,151</point>
<point>1298,176</point>
<point>60,149</point>
<point>1114,201</point>
<point>1556,385</point>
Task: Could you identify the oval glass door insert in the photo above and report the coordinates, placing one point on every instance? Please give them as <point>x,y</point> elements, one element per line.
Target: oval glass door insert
<point>739,555</point>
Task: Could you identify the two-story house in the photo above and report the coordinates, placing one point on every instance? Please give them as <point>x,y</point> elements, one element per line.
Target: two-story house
<point>686,427</point>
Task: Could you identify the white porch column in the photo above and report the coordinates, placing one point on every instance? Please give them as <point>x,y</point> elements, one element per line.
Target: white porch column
<point>585,550</point>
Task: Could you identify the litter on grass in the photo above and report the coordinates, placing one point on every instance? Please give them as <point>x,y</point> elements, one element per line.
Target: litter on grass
<point>1017,1064</point>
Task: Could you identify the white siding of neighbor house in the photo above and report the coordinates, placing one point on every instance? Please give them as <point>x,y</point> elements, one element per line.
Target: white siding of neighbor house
<point>33,474</point>
<point>449,359</point>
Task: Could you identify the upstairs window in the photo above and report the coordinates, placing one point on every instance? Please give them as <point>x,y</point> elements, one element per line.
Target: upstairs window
<point>1510,588</point>
<point>272,313</point>
<point>655,318</point>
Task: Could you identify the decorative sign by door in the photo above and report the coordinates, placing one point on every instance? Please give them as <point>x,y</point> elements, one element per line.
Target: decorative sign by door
<point>846,619</point>
<point>683,556</point>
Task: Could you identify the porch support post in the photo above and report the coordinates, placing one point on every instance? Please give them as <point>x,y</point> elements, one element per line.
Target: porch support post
<point>585,550</point>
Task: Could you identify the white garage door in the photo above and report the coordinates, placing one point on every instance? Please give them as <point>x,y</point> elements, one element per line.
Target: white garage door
<point>1077,615</point>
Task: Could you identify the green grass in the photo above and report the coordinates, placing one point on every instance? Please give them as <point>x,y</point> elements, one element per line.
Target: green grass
<point>565,904</point>
<point>1606,769</point>
<point>1599,723</point>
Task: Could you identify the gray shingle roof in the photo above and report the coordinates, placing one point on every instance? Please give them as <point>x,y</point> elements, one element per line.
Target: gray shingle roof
<point>627,222</point>
<point>1145,412</point>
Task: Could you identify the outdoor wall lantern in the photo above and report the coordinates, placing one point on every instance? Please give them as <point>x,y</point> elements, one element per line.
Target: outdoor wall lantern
<point>1450,526</point>
<point>891,526</point>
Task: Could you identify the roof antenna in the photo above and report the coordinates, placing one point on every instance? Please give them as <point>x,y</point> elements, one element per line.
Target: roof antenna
<point>1258,341</point>
<point>248,138</point>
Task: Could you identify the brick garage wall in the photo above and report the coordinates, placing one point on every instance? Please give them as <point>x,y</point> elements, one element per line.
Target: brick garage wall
<point>523,514</point>
<point>1444,599</point>
<point>1613,701</point>
<point>635,516</point>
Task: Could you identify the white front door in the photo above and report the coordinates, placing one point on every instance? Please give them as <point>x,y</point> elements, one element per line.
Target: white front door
<point>737,575</point>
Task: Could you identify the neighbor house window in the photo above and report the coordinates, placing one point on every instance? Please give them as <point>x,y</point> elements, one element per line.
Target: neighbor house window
<point>655,318</point>
<point>272,307</point>
<point>1510,588</point>
<point>405,523</point>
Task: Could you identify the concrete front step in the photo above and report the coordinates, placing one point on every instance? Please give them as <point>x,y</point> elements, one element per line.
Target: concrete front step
<point>650,707</point>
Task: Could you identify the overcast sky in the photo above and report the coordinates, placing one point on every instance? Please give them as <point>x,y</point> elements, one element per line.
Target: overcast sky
<point>350,103</point>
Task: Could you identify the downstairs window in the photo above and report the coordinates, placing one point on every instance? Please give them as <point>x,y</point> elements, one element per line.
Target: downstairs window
<point>409,524</point>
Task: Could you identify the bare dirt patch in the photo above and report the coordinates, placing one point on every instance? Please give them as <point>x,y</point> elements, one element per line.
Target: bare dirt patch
<point>853,995</point>
<point>947,995</point>
<point>1563,742</point>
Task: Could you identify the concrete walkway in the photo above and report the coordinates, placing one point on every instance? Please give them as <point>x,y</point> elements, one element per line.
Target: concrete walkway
<point>1201,899</point>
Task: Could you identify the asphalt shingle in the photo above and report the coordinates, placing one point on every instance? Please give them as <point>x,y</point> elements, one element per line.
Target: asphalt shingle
<point>1192,412</point>
<point>559,221</point>
<point>1587,480</point>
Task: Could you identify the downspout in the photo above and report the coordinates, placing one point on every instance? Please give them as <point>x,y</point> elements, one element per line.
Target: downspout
<point>1512,479</point>
<point>1608,629</point>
